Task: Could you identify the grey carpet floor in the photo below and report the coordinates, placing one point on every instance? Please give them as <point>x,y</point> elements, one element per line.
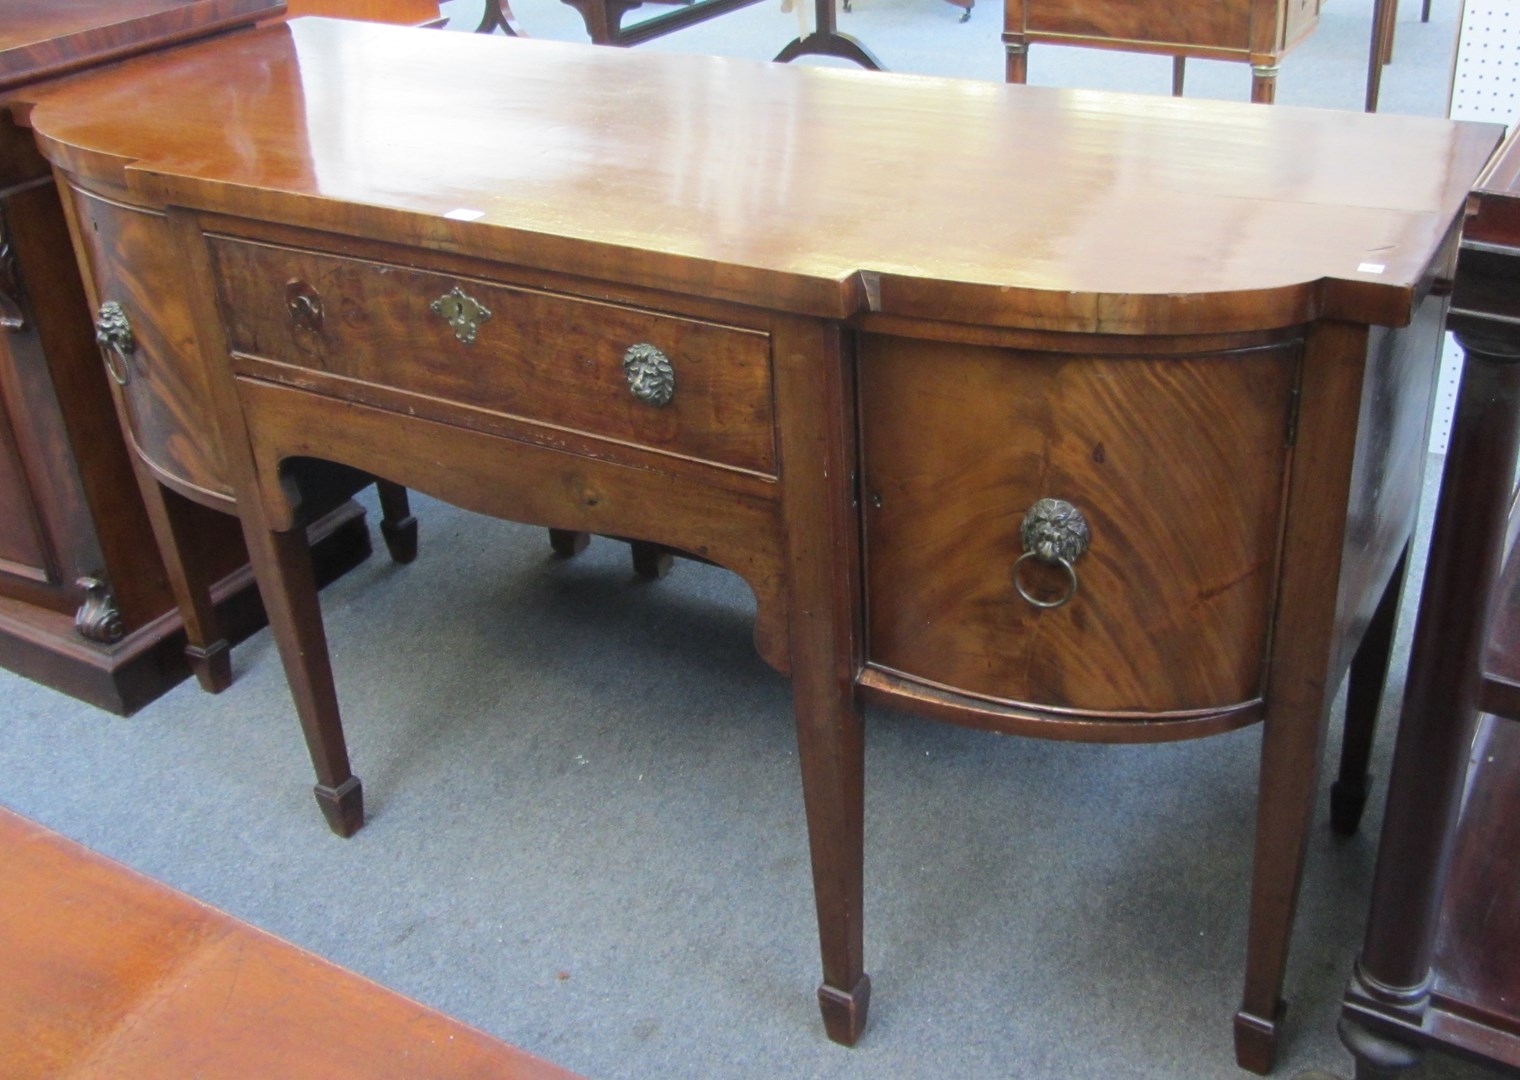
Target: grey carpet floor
<point>585,827</point>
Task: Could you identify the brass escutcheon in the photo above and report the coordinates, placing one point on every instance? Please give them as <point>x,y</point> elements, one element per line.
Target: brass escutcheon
<point>462,312</point>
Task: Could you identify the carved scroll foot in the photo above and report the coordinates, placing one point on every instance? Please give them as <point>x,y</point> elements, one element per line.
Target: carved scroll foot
<point>1256,1039</point>
<point>567,543</point>
<point>212,665</point>
<point>844,1012</point>
<point>342,806</point>
<point>98,618</point>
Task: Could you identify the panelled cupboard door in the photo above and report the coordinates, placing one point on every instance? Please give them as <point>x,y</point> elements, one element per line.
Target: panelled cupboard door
<point>24,553</point>
<point>45,539</point>
<point>1178,464</point>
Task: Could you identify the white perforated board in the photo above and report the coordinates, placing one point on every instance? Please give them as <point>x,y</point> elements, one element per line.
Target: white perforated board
<point>1485,85</point>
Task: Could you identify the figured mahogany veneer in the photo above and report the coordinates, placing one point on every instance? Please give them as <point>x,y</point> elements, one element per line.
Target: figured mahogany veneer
<point>541,356</point>
<point>1212,326</point>
<point>959,441</point>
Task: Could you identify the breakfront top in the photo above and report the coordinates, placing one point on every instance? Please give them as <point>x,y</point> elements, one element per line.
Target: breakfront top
<point>820,191</point>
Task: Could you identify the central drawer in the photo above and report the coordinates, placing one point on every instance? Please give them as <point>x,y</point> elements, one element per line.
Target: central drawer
<point>516,351</point>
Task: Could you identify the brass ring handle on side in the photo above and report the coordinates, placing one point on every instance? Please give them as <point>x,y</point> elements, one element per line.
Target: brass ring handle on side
<point>1056,533</point>
<point>113,333</point>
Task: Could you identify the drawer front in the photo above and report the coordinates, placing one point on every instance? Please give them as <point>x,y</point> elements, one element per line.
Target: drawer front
<point>162,391</point>
<point>539,356</point>
<point>1177,464</point>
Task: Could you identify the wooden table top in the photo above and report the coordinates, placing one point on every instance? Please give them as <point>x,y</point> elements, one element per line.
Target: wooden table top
<point>45,37</point>
<point>818,190</point>
<point>109,973</point>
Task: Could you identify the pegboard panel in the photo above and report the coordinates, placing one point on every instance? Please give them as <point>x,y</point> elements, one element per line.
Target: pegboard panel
<point>1485,85</point>
<point>1485,82</point>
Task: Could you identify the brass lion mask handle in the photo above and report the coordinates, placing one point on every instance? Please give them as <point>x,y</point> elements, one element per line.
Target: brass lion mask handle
<point>651,379</point>
<point>113,333</point>
<point>1056,533</point>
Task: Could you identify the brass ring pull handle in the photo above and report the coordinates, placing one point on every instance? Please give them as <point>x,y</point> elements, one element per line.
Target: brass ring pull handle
<point>113,333</point>
<point>1053,532</point>
<point>462,312</point>
<point>651,379</point>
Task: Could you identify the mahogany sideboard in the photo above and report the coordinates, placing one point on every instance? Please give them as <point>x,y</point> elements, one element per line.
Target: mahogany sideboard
<point>1125,448</point>
<point>86,603</point>
<point>1440,965</point>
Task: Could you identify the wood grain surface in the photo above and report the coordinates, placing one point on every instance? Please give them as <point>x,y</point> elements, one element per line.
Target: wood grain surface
<point>111,974</point>
<point>819,191</point>
<point>1179,467</point>
<point>39,40</point>
<point>129,260</point>
<point>545,357</point>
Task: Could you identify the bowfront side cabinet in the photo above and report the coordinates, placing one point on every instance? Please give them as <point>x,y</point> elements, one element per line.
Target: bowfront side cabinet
<point>1126,449</point>
<point>1256,32</point>
<point>86,602</point>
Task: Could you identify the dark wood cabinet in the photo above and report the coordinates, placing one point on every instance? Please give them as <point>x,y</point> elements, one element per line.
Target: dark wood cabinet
<point>86,603</point>
<point>1440,964</point>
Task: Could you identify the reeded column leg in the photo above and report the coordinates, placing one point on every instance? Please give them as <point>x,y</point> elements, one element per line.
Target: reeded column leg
<point>1364,696</point>
<point>397,525</point>
<point>1263,83</point>
<point>282,564</point>
<point>1015,61</point>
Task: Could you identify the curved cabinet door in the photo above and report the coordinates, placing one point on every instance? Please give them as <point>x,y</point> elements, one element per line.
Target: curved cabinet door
<point>1178,464</point>
<point>162,392</point>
